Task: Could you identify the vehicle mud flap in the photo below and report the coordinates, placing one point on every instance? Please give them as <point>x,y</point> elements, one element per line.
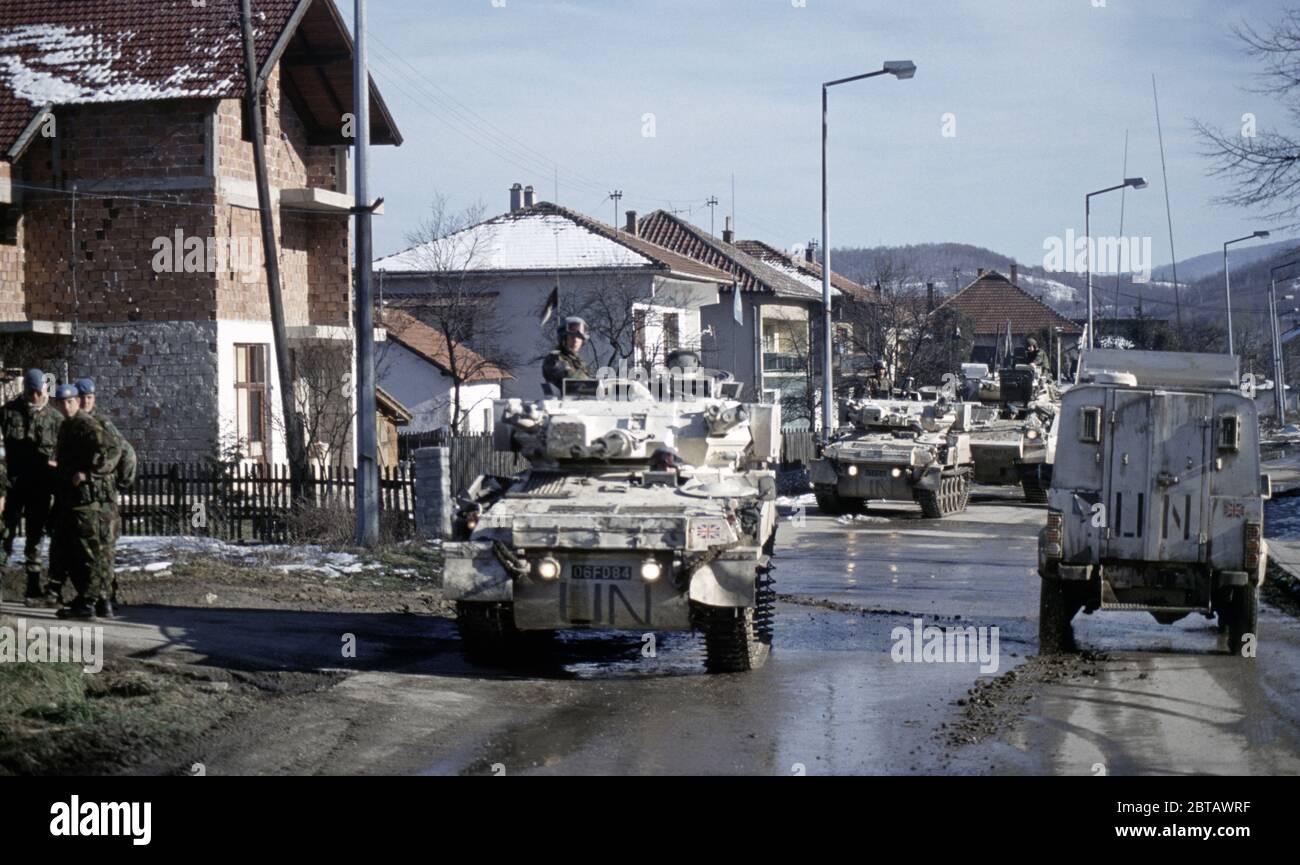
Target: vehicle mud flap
<point>1035,480</point>
<point>1058,602</point>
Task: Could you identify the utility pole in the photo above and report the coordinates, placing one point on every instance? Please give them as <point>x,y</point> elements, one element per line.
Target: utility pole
<point>253,100</point>
<point>367,488</point>
<point>617,196</point>
<point>712,203</point>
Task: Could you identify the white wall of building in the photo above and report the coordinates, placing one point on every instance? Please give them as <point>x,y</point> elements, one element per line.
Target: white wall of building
<point>427,391</point>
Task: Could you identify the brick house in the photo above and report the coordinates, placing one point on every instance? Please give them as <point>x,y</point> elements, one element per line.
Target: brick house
<point>130,247</point>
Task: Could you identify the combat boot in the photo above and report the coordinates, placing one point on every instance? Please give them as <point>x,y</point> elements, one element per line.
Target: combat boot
<point>53,595</point>
<point>35,595</point>
<point>80,609</point>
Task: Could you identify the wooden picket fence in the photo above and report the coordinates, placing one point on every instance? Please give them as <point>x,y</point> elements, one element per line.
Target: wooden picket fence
<point>249,502</point>
<point>471,455</point>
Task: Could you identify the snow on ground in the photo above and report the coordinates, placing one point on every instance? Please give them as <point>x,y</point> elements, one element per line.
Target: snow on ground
<point>154,554</point>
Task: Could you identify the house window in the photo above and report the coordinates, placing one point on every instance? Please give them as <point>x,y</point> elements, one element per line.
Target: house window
<point>251,419</point>
<point>671,332</point>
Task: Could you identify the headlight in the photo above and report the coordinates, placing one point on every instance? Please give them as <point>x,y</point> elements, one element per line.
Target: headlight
<point>651,570</point>
<point>853,471</point>
<point>895,473</point>
<point>548,569</point>
<point>1031,434</point>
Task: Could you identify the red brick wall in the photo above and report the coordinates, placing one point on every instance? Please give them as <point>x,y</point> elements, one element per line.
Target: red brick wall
<point>11,255</point>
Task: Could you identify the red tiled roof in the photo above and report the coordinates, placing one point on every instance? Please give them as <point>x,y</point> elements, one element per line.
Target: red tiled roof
<point>764,252</point>
<point>990,301</point>
<point>750,273</point>
<point>408,331</point>
<point>76,52</point>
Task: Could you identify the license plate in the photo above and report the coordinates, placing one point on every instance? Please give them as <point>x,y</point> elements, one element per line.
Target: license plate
<point>600,572</point>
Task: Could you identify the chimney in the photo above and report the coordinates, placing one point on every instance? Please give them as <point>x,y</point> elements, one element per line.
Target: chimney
<point>1015,274</point>
<point>528,196</point>
<point>929,297</point>
<point>631,227</point>
<point>810,252</point>
<point>516,197</point>
<point>981,273</point>
<point>727,233</point>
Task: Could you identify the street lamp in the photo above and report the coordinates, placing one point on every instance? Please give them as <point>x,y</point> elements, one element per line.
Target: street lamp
<point>1227,281</point>
<point>1135,183</point>
<point>902,70</point>
<point>1279,397</point>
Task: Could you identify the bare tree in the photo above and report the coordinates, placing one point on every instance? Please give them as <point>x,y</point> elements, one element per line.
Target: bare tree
<point>1264,165</point>
<point>323,389</point>
<point>629,325</point>
<point>459,305</point>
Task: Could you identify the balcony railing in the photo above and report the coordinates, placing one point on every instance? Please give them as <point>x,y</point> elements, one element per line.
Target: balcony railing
<point>782,362</point>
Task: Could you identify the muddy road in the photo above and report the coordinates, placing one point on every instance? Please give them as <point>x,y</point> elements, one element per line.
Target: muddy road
<point>833,698</point>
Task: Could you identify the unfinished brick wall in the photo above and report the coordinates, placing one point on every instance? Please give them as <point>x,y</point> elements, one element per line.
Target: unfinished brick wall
<point>12,294</point>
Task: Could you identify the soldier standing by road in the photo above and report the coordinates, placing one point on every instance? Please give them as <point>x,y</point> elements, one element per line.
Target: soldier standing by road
<point>564,362</point>
<point>87,457</point>
<point>123,480</point>
<point>30,429</point>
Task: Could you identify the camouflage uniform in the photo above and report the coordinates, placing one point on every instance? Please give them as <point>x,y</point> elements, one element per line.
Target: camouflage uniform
<point>30,435</point>
<point>880,387</point>
<point>561,364</point>
<point>123,480</point>
<point>86,517</point>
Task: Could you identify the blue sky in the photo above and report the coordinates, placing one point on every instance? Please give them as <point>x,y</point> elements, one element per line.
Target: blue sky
<point>489,92</point>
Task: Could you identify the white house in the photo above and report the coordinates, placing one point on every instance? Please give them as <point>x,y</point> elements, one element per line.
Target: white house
<point>639,300</point>
<point>414,366</point>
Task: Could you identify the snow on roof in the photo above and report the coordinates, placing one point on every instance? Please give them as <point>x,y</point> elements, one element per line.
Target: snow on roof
<point>50,63</point>
<point>541,238</point>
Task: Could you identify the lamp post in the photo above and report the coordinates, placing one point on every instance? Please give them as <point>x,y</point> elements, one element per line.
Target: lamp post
<point>900,69</point>
<point>1227,281</point>
<point>1135,183</point>
<point>1279,396</point>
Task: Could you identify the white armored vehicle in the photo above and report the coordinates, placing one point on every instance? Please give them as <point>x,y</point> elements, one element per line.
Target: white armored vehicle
<point>1013,437</point>
<point>1157,501</point>
<point>638,513</point>
<point>897,449</point>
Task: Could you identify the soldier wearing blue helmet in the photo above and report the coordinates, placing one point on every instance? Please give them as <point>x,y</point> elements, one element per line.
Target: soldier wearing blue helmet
<point>123,480</point>
<point>87,457</point>
<point>30,428</point>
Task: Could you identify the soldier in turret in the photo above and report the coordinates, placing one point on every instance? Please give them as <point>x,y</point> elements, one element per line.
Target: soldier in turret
<point>879,385</point>
<point>565,362</point>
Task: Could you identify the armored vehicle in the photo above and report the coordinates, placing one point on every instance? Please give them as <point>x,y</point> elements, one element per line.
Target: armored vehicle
<point>1013,438</point>
<point>1157,502</point>
<point>897,449</point>
<point>644,511</point>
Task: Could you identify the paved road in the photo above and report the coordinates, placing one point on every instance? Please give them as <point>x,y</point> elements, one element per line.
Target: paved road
<point>830,700</point>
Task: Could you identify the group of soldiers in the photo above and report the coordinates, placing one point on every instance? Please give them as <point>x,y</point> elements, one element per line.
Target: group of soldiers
<point>62,471</point>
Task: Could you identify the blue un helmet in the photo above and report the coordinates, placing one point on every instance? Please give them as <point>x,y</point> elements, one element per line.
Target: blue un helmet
<point>85,386</point>
<point>34,379</point>
<point>66,391</point>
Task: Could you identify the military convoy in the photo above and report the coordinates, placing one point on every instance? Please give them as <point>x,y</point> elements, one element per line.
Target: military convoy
<point>897,449</point>
<point>644,511</point>
<point>1157,499</point>
<point>654,509</point>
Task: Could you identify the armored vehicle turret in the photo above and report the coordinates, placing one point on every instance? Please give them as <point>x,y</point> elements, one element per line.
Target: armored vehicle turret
<point>897,449</point>
<point>1157,501</point>
<point>644,511</point>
